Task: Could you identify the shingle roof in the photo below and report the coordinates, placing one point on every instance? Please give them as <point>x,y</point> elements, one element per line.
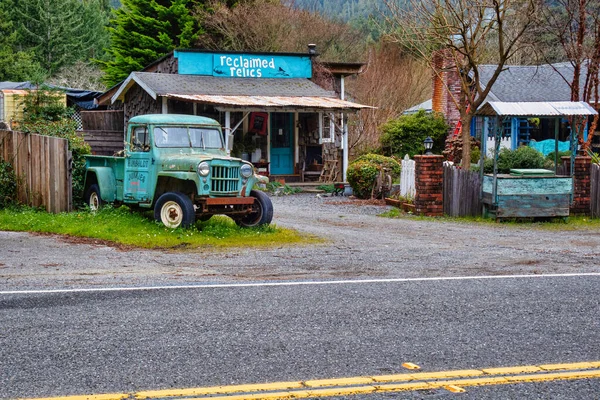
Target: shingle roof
<point>163,84</point>
<point>518,83</point>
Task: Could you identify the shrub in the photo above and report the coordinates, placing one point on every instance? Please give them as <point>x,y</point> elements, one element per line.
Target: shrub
<point>406,134</point>
<point>393,166</point>
<point>363,172</point>
<point>361,176</point>
<point>523,157</point>
<point>453,149</point>
<point>8,185</point>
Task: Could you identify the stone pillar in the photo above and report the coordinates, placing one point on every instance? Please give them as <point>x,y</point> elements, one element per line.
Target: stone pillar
<point>582,186</point>
<point>429,185</point>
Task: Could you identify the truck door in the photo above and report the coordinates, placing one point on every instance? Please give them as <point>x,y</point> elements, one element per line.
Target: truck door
<point>138,162</point>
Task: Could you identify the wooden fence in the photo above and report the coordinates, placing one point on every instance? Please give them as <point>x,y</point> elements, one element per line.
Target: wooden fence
<point>104,131</point>
<point>43,168</point>
<point>407,178</point>
<point>107,120</point>
<point>461,192</point>
<point>104,143</point>
<point>595,190</point>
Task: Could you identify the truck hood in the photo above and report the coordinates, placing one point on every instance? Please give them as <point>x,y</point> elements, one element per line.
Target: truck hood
<point>189,162</point>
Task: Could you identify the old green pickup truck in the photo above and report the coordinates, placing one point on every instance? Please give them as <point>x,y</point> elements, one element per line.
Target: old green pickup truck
<point>178,166</point>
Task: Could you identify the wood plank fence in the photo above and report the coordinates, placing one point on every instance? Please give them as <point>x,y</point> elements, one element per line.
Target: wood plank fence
<point>104,131</point>
<point>43,168</point>
<point>104,143</point>
<point>595,191</point>
<point>461,192</point>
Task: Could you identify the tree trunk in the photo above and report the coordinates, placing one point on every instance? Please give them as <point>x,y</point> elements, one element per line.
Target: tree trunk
<point>466,143</point>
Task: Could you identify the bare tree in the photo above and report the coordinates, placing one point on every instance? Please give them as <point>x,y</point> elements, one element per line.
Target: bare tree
<point>268,25</point>
<point>575,24</point>
<point>463,30</point>
<point>392,82</point>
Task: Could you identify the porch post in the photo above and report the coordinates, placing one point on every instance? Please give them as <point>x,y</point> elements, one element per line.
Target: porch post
<point>296,139</point>
<point>344,132</point>
<point>227,130</point>
<point>344,146</point>
<point>165,107</point>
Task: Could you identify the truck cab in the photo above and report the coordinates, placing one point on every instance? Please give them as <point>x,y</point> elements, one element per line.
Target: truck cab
<point>178,166</point>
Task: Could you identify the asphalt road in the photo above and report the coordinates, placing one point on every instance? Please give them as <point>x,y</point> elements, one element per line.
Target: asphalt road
<point>125,340</point>
<point>54,344</point>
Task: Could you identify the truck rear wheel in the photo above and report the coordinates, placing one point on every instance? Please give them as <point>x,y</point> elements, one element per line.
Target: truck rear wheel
<point>262,211</point>
<point>174,210</point>
<point>92,197</point>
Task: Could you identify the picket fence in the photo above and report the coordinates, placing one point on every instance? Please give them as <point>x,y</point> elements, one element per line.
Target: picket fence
<point>43,168</point>
<point>407,178</point>
<point>491,143</point>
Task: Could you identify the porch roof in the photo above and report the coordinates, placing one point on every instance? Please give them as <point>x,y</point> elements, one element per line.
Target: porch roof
<point>237,93</point>
<point>536,109</point>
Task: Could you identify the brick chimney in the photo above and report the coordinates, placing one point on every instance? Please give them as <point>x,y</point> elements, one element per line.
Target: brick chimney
<point>445,81</point>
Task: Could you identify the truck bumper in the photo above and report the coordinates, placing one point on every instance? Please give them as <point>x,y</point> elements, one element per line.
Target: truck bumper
<point>224,205</point>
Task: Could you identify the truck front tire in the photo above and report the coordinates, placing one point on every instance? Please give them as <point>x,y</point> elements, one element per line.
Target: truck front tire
<point>262,211</point>
<point>174,210</point>
<point>92,197</point>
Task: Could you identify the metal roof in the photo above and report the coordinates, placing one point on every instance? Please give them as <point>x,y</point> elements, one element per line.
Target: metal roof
<point>245,93</point>
<point>261,102</point>
<point>536,109</point>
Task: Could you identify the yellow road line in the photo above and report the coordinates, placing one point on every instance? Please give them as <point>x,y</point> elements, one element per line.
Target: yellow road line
<point>451,380</point>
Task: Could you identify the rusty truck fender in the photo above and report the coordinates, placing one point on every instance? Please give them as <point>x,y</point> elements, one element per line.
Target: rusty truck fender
<point>105,178</point>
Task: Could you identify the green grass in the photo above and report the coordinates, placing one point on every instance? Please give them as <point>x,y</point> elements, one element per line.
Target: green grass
<point>558,224</point>
<point>124,227</point>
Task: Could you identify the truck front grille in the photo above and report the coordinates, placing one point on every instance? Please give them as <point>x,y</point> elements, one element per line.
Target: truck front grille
<point>225,180</point>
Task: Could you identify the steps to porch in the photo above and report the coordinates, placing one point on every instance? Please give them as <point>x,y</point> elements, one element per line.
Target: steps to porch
<point>294,181</point>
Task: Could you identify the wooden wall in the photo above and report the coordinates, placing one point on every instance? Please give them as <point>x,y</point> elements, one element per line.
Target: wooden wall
<point>104,131</point>
<point>106,120</point>
<point>42,165</point>
<point>595,190</point>
<point>138,102</point>
<point>104,143</point>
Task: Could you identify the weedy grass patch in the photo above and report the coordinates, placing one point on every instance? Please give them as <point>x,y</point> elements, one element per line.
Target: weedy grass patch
<point>124,227</point>
<point>557,224</point>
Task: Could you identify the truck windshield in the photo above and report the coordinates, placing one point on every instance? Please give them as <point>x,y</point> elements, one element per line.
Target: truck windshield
<point>184,136</point>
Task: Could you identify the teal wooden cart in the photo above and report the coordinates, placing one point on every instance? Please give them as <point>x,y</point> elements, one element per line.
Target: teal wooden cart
<point>527,193</point>
<point>530,192</point>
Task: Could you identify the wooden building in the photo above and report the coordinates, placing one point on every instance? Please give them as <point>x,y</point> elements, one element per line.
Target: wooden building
<point>282,121</point>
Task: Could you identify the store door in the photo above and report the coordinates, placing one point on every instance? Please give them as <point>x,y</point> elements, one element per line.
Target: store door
<point>282,143</point>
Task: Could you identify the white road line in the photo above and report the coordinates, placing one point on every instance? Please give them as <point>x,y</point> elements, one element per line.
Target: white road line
<point>301,283</point>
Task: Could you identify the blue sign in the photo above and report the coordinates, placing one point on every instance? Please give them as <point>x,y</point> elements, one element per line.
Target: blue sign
<point>237,65</point>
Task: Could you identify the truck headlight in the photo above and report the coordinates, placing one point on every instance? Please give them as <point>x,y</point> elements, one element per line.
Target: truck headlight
<point>246,170</point>
<point>203,168</point>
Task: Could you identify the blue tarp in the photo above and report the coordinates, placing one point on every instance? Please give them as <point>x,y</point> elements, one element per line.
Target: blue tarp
<point>547,146</point>
<point>80,97</point>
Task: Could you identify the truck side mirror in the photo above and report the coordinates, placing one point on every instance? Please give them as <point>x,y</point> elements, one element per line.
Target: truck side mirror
<point>230,143</point>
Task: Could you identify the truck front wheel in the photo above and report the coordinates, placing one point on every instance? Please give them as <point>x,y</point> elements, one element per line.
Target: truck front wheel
<point>92,197</point>
<point>262,211</point>
<point>174,210</point>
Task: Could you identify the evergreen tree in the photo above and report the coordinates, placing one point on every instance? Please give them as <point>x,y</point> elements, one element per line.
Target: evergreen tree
<point>59,32</point>
<point>15,65</point>
<point>142,31</point>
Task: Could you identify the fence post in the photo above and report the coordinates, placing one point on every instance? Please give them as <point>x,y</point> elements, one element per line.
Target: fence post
<point>581,186</point>
<point>429,184</point>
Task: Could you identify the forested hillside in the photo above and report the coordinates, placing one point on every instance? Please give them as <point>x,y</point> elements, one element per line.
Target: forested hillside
<point>345,10</point>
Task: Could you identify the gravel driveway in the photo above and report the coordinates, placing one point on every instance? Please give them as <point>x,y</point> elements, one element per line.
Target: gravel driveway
<point>360,245</point>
